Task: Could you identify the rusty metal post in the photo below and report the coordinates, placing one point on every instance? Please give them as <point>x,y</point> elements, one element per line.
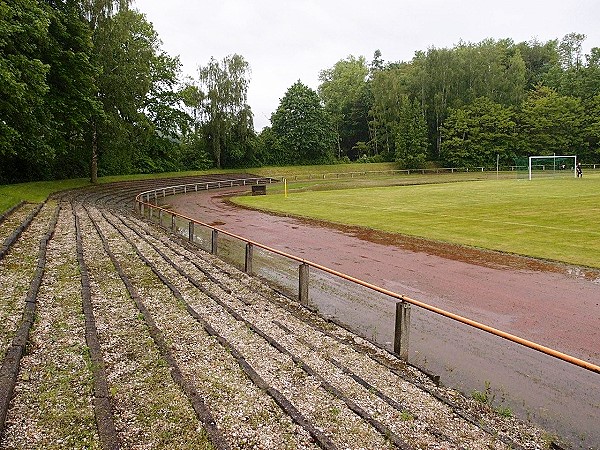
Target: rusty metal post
<point>303,279</point>
<point>248,259</point>
<point>191,231</point>
<point>402,330</point>
<point>215,238</point>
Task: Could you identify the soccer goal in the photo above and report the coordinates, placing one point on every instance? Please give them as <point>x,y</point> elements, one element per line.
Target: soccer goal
<point>551,166</point>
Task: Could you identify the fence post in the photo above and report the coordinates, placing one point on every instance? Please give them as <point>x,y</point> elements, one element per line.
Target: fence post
<point>402,330</point>
<point>191,231</point>
<point>215,237</point>
<point>248,260</point>
<point>303,275</point>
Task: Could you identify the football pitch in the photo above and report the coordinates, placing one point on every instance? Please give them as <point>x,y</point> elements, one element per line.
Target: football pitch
<point>555,218</point>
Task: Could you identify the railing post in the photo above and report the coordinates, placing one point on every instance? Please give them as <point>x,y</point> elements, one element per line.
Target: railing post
<point>191,231</point>
<point>303,276</point>
<point>248,259</point>
<point>214,246</point>
<point>173,224</point>
<point>402,330</point>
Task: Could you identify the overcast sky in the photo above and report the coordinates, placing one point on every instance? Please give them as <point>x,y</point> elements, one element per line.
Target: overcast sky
<point>285,41</point>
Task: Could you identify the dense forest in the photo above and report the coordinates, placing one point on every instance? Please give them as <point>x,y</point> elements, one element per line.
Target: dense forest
<point>86,90</point>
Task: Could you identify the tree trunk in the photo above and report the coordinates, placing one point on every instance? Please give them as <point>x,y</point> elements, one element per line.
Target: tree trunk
<point>94,162</point>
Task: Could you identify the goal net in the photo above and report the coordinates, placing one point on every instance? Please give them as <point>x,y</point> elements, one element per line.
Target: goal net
<point>552,166</point>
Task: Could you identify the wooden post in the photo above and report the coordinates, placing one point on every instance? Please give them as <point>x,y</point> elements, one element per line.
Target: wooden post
<point>214,246</point>
<point>303,277</point>
<point>191,231</point>
<point>248,260</point>
<point>402,330</point>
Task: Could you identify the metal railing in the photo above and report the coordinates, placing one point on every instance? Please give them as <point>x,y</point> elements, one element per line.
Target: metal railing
<point>147,209</point>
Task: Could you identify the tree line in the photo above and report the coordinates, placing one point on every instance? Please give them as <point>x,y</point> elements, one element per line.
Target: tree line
<point>86,90</point>
<point>468,105</point>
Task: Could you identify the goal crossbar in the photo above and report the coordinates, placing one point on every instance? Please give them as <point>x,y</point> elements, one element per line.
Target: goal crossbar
<point>554,158</point>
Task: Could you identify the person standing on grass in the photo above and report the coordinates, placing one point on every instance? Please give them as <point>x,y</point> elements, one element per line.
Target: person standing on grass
<point>579,171</point>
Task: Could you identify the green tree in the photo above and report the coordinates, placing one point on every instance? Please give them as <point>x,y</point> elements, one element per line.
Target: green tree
<point>492,69</point>
<point>343,90</point>
<point>71,99</point>
<point>303,128</point>
<point>269,150</point>
<point>390,89</point>
<point>475,134</point>
<point>226,116</point>
<point>411,135</point>
<point>98,15</point>
<point>136,86</point>
<point>570,51</point>
<point>442,75</point>
<point>592,130</point>
<point>24,121</point>
<point>551,123</point>
<point>539,58</point>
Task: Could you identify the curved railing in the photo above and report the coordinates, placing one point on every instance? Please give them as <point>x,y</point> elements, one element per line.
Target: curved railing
<point>150,210</point>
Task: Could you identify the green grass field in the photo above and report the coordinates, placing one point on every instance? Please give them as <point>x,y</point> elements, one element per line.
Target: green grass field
<point>556,219</point>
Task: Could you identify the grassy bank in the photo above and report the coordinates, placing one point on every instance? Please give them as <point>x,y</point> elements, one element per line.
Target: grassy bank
<point>38,191</point>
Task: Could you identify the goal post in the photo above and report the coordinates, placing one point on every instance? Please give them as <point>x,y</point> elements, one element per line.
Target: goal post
<point>552,165</point>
